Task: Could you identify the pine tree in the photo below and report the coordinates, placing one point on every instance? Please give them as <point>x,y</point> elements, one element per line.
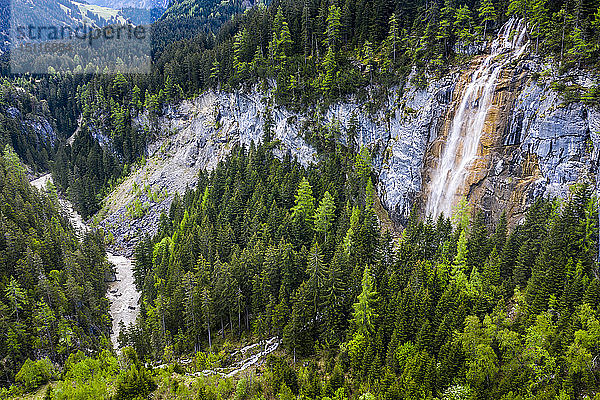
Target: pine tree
<point>240,44</point>
<point>517,8</point>
<point>447,15</point>
<point>580,50</point>
<point>305,202</point>
<point>334,297</point>
<point>328,75</point>
<point>215,72</point>
<point>487,14</point>
<point>462,24</point>
<point>499,237</point>
<point>460,261</point>
<point>281,42</point>
<point>491,272</point>
<point>307,29</point>
<point>190,310</point>
<point>44,321</point>
<point>478,242</point>
<point>136,100</point>
<point>538,19</point>
<point>365,308</point>
<point>16,296</point>
<point>332,33</point>
<point>316,280</point>
<point>393,36</point>
<point>207,311</point>
<point>325,214</point>
<point>13,163</point>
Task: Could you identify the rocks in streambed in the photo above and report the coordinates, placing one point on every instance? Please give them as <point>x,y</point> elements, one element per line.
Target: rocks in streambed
<point>110,276</point>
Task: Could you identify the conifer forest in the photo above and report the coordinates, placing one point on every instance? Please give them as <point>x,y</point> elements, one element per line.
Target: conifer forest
<point>306,200</point>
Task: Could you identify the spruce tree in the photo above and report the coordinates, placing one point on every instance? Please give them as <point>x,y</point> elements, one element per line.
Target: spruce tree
<point>365,309</point>
<point>487,14</point>
<point>325,214</point>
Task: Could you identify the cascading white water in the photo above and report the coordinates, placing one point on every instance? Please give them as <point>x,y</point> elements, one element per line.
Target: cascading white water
<point>462,143</point>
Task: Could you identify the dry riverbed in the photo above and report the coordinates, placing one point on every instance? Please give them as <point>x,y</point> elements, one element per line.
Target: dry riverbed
<point>122,292</point>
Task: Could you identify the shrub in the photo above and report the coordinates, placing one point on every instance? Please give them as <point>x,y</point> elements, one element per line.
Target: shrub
<point>591,96</point>
<point>282,373</point>
<point>207,361</point>
<point>135,383</point>
<point>242,389</point>
<point>337,377</point>
<point>33,374</point>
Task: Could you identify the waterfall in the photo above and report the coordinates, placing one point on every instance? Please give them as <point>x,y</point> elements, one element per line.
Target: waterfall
<point>462,142</point>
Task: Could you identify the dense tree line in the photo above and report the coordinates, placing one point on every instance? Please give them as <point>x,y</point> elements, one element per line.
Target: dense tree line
<point>26,124</point>
<point>52,286</point>
<point>306,53</point>
<point>210,14</point>
<point>451,309</point>
<point>248,202</point>
<point>326,49</point>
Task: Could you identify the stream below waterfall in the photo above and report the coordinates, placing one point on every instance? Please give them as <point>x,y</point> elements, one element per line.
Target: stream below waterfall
<point>122,293</point>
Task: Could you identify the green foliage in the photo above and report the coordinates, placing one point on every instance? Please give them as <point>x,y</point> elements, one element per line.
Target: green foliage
<point>364,308</point>
<point>207,360</point>
<point>134,383</point>
<point>52,289</point>
<point>136,209</point>
<point>33,374</point>
<point>325,214</point>
<point>305,202</point>
<point>487,13</point>
<point>450,312</point>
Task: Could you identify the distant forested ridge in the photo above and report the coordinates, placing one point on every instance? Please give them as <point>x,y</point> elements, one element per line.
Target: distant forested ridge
<point>52,288</point>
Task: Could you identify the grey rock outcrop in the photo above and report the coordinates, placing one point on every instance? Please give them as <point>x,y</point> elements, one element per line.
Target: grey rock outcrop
<point>542,148</point>
<point>547,146</point>
<point>197,134</point>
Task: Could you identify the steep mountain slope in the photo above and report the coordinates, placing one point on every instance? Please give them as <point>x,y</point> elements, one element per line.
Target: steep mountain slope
<point>534,144</point>
<point>27,125</point>
<point>143,4</point>
<point>311,60</point>
<point>52,288</point>
<point>356,119</point>
<point>62,13</point>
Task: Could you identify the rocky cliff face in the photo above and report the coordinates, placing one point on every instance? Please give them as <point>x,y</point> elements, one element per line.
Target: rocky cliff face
<point>532,145</point>
<point>197,134</point>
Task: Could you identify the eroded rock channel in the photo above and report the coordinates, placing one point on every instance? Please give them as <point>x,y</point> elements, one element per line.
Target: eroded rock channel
<point>122,292</point>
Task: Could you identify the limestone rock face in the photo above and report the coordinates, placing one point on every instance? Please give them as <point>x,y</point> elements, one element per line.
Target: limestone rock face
<point>193,136</point>
<point>414,127</point>
<point>533,145</point>
<point>544,147</point>
<point>196,134</point>
<point>558,135</point>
